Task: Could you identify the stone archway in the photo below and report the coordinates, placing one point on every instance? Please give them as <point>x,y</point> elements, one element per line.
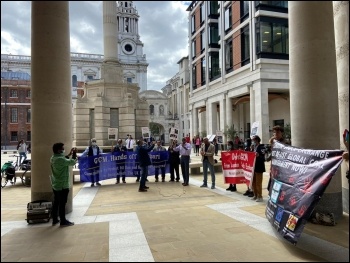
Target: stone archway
<point>157,131</point>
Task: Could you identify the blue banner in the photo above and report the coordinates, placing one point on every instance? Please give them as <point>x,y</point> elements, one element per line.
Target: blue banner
<point>123,163</point>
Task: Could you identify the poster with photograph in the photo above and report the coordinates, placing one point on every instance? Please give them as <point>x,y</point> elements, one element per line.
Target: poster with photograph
<point>112,134</point>
<point>254,130</point>
<point>145,132</point>
<point>219,137</point>
<point>173,134</point>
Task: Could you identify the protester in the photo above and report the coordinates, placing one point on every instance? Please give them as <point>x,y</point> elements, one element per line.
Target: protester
<point>159,148</point>
<point>144,161</point>
<point>216,146</point>
<point>93,150</point>
<point>197,144</point>
<point>259,169</point>
<point>207,152</point>
<point>174,162</point>
<point>22,150</point>
<point>60,183</point>
<point>232,187</point>
<point>277,136</point>
<point>120,163</point>
<point>129,143</point>
<point>247,147</point>
<point>185,152</point>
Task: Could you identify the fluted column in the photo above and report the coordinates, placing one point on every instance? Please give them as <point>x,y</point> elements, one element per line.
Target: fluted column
<point>313,87</point>
<point>51,91</point>
<point>110,31</point>
<point>341,27</point>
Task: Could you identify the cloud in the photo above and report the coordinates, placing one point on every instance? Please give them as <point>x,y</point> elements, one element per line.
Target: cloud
<point>163,29</point>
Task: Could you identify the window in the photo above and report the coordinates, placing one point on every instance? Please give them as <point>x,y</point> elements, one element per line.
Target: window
<point>14,136</point>
<point>14,115</point>
<point>272,38</point>
<point>202,40</point>
<point>214,65</point>
<point>213,9</point>
<point>28,94</point>
<point>89,77</point>
<point>213,36</point>
<point>193,24</point>
<point>244,10</point>
<point>13,93</point>
<point>203,71</point>
<point>151,110</point>
<point>74,81</point>
<point>228,19</point>
<point>161,110</point>
<point>193,48</point>
<point>129,80</point>
<point>278,122</point>
<point>202,13</point>
<point>29,136</point>
<point>245,45</point>
<point>194,78</point>
<point>29,115</point>
<point>114,115</point>
<point>275,6</point>
<point>228,56</point>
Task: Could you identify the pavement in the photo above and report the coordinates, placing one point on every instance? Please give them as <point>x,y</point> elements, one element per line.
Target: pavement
<point>169,223</point>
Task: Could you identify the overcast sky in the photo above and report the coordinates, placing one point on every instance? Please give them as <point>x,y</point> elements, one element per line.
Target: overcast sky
<point>163,28</point>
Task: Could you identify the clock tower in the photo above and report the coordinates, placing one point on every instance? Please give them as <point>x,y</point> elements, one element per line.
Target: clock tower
<point>130,47</point>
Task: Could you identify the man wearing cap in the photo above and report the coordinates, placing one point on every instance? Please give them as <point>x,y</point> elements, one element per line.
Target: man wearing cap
<point>93,150</point>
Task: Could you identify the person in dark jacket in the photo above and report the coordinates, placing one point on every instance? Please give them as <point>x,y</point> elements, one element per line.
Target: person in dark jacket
<point>93,150</point>
<point>174,161</point>
<point>120,163</point>
<point>259,168</point>
<point>144,161</point>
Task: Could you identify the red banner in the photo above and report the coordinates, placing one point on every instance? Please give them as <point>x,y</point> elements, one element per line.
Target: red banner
<point>237,166</point>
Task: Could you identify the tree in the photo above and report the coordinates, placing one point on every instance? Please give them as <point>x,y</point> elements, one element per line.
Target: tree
<point>154,129</point>
<point>230,132</point>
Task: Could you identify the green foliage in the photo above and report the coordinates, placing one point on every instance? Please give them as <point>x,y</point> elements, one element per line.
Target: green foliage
<point>230,132</point>
<point>154,129</point>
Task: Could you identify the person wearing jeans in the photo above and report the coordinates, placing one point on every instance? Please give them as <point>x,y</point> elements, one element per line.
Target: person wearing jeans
<point>144,161</point>
<point>207,152</point>
<point>185,151</point>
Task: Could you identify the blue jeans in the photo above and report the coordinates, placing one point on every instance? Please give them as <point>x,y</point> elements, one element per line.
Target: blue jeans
<point>20,157</point>
<point>185,168</point>
<point>144,174</point>
<point>206,165</point>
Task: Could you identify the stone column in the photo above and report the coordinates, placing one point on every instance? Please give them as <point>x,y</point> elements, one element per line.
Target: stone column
<point>51,91</point>
<point>110,31</point>
<point>195,121</point>
<point>222,114</point>
<point>341,27</point>
<point>252,106</point>
<point>313,87</point>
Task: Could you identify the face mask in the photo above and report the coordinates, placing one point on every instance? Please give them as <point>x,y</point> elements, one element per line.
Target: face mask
<point>93,143</point>
<point>229,147</point>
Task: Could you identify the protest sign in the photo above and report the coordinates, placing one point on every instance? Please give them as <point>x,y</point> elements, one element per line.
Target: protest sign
<point>145,132</point>
<point>112,134</point>
<point>238,166</point>
<point>299,178</point>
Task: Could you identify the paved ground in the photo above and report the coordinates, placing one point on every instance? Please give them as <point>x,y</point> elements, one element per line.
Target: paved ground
<point>169,223</point>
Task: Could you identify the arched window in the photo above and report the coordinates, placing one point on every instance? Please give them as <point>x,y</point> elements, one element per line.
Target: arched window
<point>74,81</point>
<point>151,109</point>
<point>161,110</point>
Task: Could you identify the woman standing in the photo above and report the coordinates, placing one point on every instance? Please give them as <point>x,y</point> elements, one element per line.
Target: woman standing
<point>198,143</point>
<point>259,169</point>
<point>22,150</point>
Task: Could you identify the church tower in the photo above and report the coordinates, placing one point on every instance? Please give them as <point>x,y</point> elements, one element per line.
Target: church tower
<point>130,47</point>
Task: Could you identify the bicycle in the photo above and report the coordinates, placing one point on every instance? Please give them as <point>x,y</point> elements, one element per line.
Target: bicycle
<point>13,166</point>
<point>16,164</point>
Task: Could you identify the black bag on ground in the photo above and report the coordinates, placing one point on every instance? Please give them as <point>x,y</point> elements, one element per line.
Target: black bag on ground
<point>10,172</point>
<point>39,211</point>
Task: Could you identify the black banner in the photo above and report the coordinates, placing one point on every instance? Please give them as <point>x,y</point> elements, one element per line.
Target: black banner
<point>299,178</point>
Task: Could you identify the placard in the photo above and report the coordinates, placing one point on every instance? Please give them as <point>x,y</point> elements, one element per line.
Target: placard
<point>112,134</point>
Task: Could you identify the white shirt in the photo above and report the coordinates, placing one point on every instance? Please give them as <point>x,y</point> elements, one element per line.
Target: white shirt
<point>129,143</point>
<point>22,148</point>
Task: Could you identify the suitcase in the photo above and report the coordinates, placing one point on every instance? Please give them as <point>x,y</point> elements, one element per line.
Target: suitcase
<point>39,211</point>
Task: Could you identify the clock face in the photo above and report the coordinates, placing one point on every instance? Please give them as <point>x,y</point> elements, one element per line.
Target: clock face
<point>128,48</point>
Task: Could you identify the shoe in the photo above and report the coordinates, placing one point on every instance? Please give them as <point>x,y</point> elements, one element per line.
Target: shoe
<point>124,182</point>
<point>185,184</point>
<point>67,223</point>
<point>55,222</point>
<point>138,180</point>
<point>247,192</point>
<point>171,180</point>
<point>229,189</point>
<point>156,180</point>
<point>251,194</point>
<point>254,198</point>
<point>142,190</point>
<point>98,184</point>
<point>259,199</point>
<point>146,187</point>
<point>92,185</point>
<point>117,182</point>
<point>177,180</point>
<point>212,187</point>
<point>146,180</point>
<point>233,189</point>
<point>203,185</point>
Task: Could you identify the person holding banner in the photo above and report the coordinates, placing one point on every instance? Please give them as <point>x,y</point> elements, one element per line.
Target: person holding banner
<point>144,161</point>
<point>232,187</point>
<point>120,163</point>
<point>159,148</point>
<point>174,162</point>
<point>93,150</point>
<point>259,169</point>
<point>207,152</point>
<point>185,152</point>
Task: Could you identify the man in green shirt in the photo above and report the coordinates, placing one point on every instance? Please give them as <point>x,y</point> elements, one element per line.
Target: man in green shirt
<point>60,182</point>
